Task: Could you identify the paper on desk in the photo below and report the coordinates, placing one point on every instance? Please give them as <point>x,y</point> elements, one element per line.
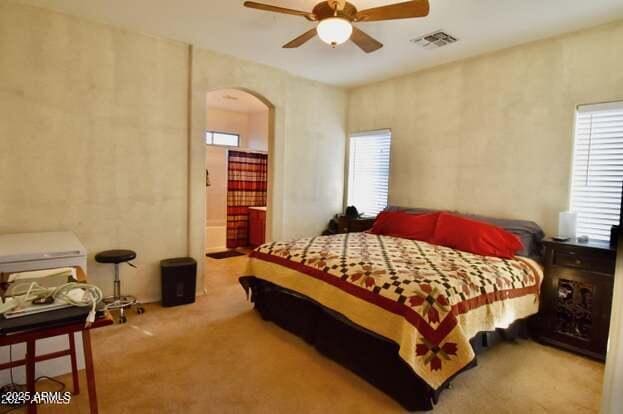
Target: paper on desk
<point>61,272</point>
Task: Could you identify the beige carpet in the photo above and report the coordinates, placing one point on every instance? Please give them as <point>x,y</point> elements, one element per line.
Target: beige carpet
<point>218,356</point>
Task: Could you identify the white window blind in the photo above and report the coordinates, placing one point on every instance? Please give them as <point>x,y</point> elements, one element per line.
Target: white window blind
<point>368,172</point>
<point>597,169</point>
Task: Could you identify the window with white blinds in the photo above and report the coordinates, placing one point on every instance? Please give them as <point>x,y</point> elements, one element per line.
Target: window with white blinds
<point>597,169</point>
<point>368,172</point>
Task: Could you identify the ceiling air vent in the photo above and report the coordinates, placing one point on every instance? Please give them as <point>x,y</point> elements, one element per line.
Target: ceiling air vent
<point>434,40</point>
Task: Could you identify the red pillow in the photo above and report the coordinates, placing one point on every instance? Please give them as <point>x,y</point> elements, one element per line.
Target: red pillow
<point>407,226</point>
<point>475,237</point>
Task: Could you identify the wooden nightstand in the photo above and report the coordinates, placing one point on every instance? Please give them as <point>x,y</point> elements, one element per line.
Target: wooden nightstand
<point>343,224</point>
<point>576,296</point>
<point>354,225</point>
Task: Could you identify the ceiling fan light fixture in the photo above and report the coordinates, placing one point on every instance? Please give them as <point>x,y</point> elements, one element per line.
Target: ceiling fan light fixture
<point>334,30</point>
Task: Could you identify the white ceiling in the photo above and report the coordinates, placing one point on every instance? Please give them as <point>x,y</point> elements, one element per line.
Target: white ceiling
<point>234,100</point>
<point>226,26</point>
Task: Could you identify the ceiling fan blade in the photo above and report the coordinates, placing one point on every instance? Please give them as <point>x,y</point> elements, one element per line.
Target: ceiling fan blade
<point>366,42</point>
<point>276,9</point>
<point>301,39</point>
<point>406,10</point>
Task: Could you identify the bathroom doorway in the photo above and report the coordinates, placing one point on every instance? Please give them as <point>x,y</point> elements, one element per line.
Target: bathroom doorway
<point>237,143</point>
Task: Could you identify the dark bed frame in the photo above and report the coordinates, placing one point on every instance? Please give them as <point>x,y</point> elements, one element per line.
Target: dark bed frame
<point>351,345</point>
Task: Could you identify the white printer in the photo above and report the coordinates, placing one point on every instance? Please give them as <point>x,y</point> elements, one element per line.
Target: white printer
<point>34,251</point>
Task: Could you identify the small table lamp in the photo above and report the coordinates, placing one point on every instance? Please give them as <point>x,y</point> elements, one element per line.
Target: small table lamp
<point>567,224</point>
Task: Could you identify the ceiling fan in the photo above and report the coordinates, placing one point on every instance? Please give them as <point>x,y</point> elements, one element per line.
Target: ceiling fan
<point>336,17</point>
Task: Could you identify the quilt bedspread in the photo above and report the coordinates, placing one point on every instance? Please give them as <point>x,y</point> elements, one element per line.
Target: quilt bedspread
<point>429,299</point>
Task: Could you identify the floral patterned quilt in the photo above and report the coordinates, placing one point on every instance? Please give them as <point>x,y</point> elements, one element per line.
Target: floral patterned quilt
<point>429,299</point>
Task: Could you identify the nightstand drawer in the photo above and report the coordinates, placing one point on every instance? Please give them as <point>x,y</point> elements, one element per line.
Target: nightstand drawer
<point>593,262</point>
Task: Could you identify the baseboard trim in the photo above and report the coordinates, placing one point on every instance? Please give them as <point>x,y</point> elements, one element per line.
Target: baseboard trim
<point>216,249</point>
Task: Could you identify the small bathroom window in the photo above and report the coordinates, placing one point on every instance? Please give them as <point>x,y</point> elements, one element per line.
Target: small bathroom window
<point>222,138</point>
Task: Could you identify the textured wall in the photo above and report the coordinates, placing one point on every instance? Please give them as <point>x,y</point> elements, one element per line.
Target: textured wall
<point>216,161</point>
<point>493,134</point>
<point>306,152</point>
<point>258,131</point>
<point>220,120</point>
<point>216,193</point>
<point>93,138</point>
<point>253,130</point>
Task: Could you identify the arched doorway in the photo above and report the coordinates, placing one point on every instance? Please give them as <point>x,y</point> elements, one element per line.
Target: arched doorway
<point>238,135</point>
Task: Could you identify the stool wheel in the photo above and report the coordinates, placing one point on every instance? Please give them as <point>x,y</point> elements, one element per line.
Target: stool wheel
<point>123,319</point>
<point>140,310</point>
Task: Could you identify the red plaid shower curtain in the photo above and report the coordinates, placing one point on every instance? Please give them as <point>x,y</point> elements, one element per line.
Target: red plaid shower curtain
<point>246,187</point>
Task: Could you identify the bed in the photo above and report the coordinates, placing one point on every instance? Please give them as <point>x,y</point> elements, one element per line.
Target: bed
<point>406,315</point>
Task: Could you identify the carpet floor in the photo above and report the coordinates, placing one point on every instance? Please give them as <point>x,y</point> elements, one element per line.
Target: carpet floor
<point>219,356</point>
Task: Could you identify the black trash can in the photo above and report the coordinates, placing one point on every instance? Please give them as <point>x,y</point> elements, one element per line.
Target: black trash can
<point>179,281</point>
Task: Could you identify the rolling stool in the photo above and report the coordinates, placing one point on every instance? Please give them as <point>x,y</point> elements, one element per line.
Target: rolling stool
<point>117,301</point>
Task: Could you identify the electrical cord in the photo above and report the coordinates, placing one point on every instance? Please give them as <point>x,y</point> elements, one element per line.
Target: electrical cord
<point>14,387</point>
<point>72,293</point>
<point>20,387</point>
<point>11,362</point>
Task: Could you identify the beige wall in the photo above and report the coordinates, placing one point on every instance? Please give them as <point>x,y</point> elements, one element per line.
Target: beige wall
<point>216,161</point>
<point>257,138</point>
<point>493,134</point>
<point>252,127</point>
<point>216,193</point>
<point>306,162</point>
<point>229,121</point>
<point>94,139</point>
<point>95,134</point>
